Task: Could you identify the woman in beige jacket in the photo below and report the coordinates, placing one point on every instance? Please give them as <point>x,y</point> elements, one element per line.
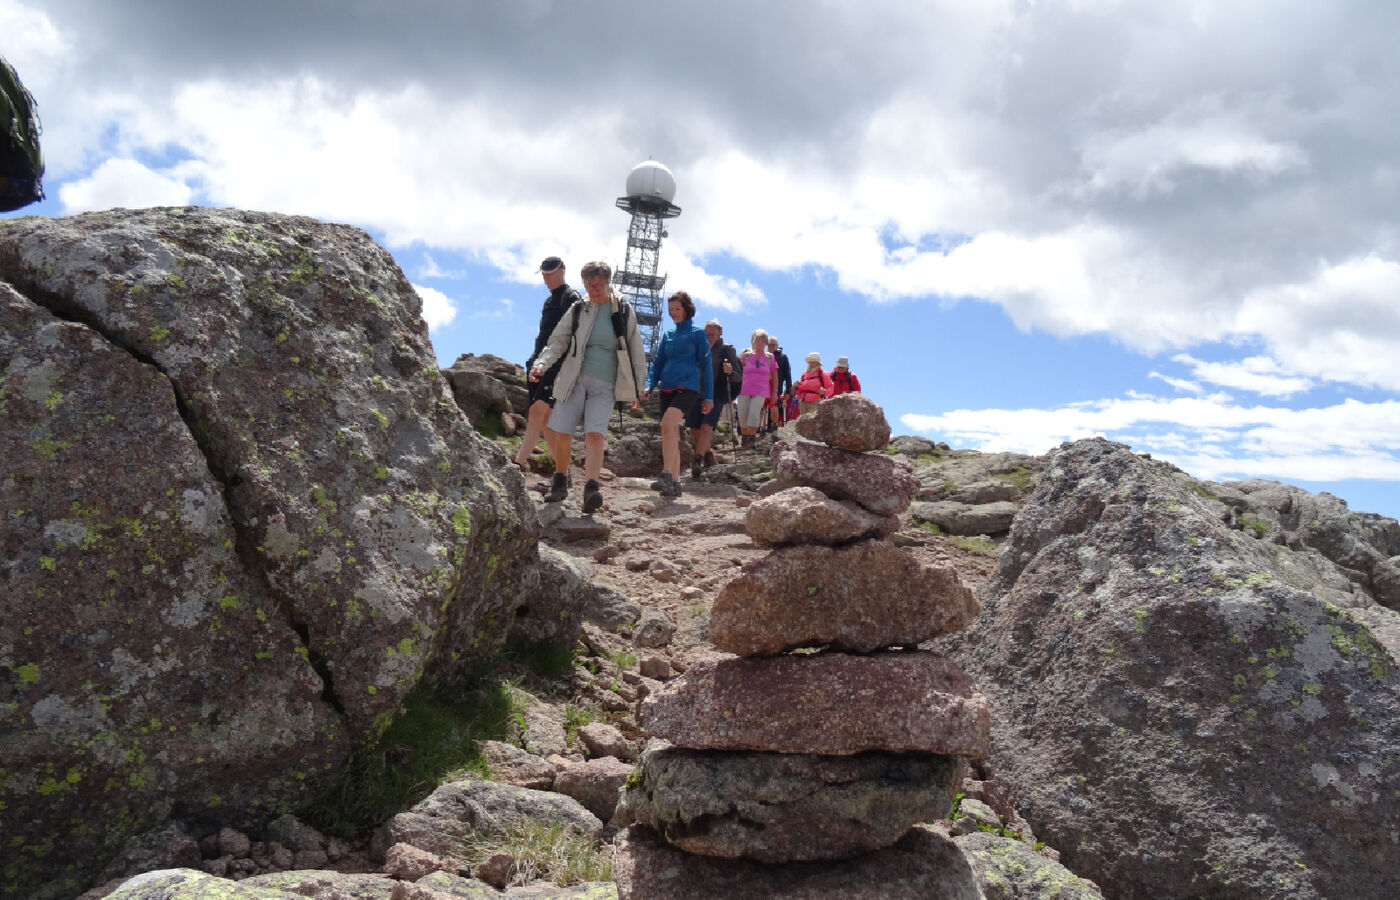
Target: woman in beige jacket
<point>603,363</point>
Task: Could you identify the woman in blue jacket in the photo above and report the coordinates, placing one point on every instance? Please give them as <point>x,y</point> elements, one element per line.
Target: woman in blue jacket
<point>682,370</point>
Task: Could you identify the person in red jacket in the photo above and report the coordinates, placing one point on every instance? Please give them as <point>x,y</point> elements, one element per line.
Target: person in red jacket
<point>843,380</point>
<point>814,385</point>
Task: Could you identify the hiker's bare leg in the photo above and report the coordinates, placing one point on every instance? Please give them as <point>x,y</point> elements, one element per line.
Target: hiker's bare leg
<point>534,427</point>
<point>701,438</point>
<point>593,447</point>
<point>561,448</point>
<point>671,441</point>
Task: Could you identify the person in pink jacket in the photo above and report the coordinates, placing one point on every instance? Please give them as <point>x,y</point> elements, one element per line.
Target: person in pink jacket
<point>760,380</point>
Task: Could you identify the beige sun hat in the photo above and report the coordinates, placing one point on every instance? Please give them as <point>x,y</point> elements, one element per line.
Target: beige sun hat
<point>814,356</point>
<point>842,362</point>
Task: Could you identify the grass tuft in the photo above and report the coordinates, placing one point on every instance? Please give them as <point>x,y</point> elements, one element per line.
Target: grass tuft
<point>434,740</point>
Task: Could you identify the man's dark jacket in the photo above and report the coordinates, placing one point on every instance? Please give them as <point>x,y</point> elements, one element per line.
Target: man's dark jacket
<point>784,372</point>
<point>555,306</point>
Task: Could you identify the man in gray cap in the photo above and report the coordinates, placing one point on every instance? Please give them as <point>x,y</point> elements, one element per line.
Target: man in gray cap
<point>542,391</point>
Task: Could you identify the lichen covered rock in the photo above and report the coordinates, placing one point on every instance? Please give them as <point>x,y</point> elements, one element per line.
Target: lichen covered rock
<point>1154,673</point>
<point>243,519</point>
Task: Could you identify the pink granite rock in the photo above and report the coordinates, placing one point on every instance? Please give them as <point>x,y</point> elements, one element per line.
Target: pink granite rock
<point>804,515</point>
<point>832,703</point>
<point>881,484</point>
<point>785,807</point>
<point>848,422</point>
<point>859,598</point>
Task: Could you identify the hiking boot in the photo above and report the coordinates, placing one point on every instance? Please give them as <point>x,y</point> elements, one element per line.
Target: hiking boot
<point>709,458</point>
<point>672,489</point>
<point>695,466</point>
<point>660,483</point>
<point>592,497</point>
<point>558,488</point>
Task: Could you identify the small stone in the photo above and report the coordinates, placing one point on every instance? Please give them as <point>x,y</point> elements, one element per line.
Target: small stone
<point>234,843</point>
<point>409,863</point>
<point>655,666</point>
<point>654,629</point>
<point>603,739</point>
<point>496,870</point>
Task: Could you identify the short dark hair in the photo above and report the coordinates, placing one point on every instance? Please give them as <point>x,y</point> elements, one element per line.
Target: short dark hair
<point>596,269</point>
<point>686,303</point>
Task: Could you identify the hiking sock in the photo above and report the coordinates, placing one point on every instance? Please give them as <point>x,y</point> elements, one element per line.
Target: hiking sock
<point>592,497</point>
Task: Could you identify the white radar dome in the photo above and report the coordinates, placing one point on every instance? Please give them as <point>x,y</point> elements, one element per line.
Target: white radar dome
<point>651,179</point>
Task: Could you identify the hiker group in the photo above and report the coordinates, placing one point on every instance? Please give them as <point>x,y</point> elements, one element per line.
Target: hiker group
<point>584,362</point>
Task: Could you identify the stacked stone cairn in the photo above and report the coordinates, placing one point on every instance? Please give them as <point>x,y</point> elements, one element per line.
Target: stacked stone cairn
<point>831,734</point>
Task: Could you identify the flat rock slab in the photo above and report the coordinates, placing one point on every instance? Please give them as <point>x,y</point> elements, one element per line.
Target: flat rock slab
<point>848,422</point>
<point>860,598</point>
<point>804,515</point>
<point>924,865</point>
<point>953,517</point>
<point>450,819</point>
<point>829,703</point>
<point>784,807</point>
<point>882,484</point>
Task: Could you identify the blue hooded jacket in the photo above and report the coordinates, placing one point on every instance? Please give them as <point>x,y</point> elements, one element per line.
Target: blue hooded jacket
<point>683,361</point>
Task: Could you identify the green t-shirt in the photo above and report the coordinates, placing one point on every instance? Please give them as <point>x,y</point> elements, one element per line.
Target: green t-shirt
<point>600,352</point>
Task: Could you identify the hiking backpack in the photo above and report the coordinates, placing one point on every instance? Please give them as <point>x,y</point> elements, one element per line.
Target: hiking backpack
<point>21,162</point>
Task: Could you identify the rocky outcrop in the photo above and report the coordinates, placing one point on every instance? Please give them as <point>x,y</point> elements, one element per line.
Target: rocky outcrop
<point>1173,714</point>
<point>243,518</point>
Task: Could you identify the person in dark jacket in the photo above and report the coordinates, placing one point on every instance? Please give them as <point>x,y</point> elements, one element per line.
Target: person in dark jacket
<point>725,361</point>
<point>685,375</point>
<point>784,383</point>
<point>542,391</point>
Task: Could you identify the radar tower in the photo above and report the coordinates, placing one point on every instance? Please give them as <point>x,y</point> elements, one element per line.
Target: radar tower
<point>650,189</point>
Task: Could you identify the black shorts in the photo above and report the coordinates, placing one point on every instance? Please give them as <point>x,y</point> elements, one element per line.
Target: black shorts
<point>544,388</point>
<point>683,399</point>
<point>695,418</point>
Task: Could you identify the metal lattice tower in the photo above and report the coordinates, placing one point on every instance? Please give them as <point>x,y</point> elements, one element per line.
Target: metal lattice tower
<point>650,189</point>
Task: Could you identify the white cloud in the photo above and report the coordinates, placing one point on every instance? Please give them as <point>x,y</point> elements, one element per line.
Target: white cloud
<point>1207,436</point>
<point>501,309</point>
<point>124,182</point>
<point>1258,374</point>
<point>438,308</point>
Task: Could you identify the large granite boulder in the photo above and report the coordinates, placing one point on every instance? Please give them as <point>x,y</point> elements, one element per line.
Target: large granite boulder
<point>1173,715</point>
<point>782,807</point>
<point>831,703</point>
<point>859,598</point>
<point>242,519</point>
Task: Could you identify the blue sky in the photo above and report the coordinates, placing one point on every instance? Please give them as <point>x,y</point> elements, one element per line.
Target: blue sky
<point>1024,222</point>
